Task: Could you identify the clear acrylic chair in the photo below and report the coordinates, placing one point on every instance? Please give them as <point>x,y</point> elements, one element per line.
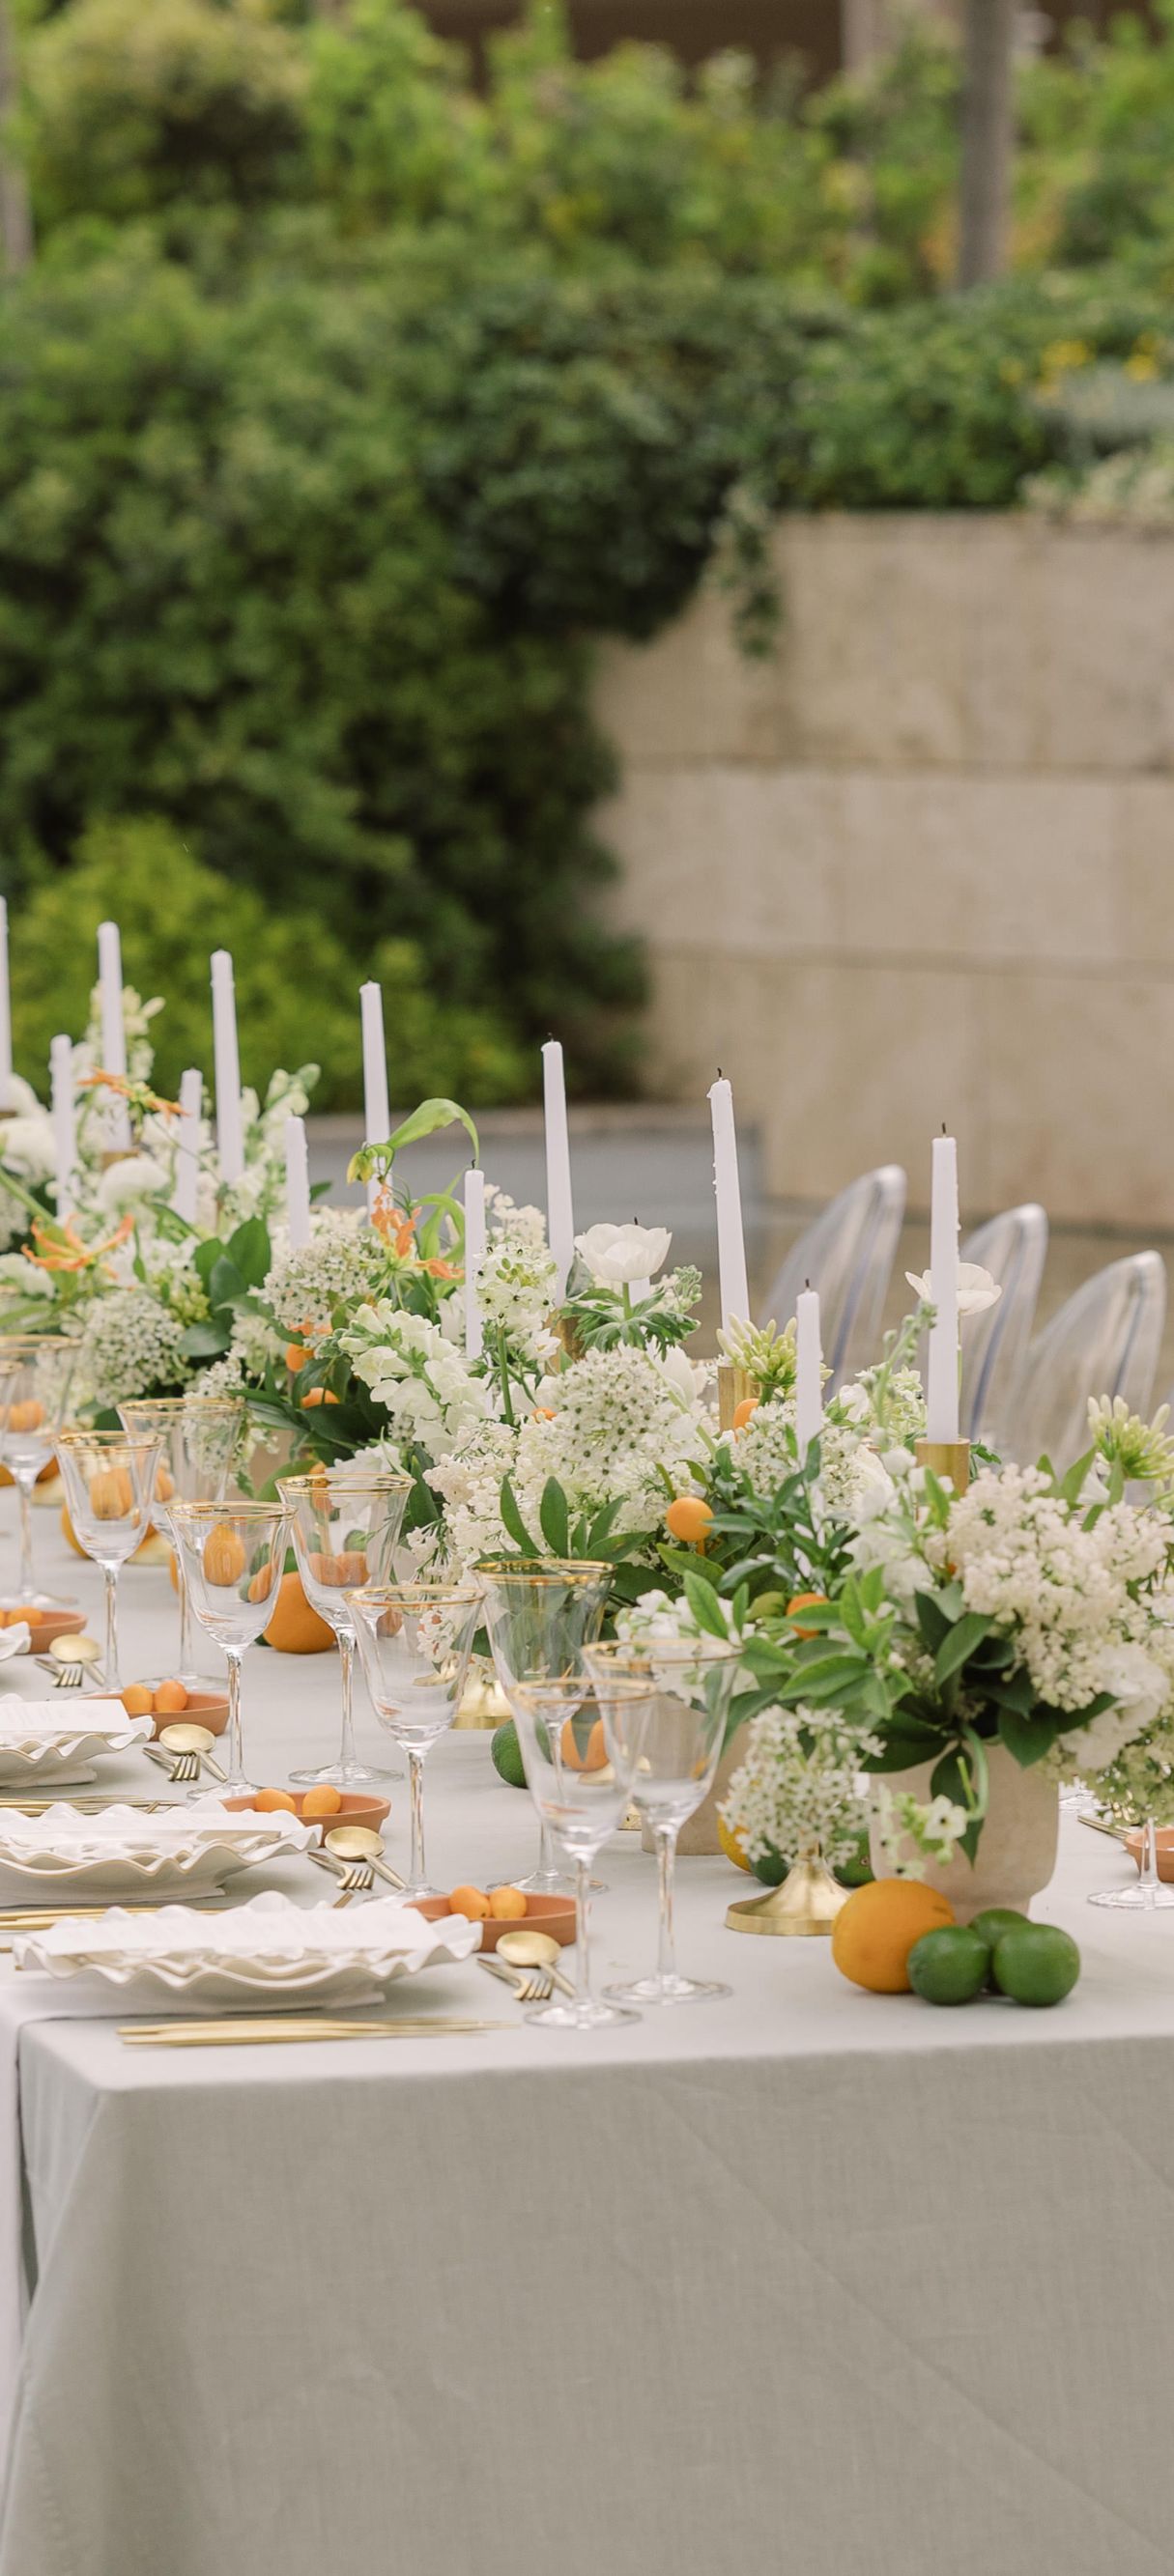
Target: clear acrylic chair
<point>848,1255</point>
<point>1014,1248</point>
<point>1105,1341</point>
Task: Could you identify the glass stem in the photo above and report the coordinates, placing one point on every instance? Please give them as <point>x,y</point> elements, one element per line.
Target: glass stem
<point>416,1781</point>
<point>582,1930</point>
<point>346,1656</point>
<point>1149,1854</point>
<point>236,1755</point>
<point>665,1838</point>
<point>27,1578</point>
<point>110,1665</point>
<point>186,1650</point>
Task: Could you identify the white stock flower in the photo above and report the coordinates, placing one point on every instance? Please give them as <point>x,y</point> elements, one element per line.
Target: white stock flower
<point>131,1178</point>
<point>618,1256</point>
<point>27,1145</point>
<point>976,1288</point>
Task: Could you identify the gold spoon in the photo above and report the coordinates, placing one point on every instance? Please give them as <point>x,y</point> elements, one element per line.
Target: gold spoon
<point>76,1650</point>
<point>534,1950</point>
<point>360,1842</point>
<point>185,1737</point>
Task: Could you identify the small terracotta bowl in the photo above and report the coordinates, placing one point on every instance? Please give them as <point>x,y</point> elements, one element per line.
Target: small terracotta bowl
<point>356,1809</point>
<point>204,1708</point>
<point>1164,1854</point>
<point>553,1914</point>
<point>51,1624</point>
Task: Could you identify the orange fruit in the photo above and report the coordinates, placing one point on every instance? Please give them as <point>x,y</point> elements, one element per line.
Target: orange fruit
<point>875,1931</point>
<point>352,1568</point>
<point>507,1904</point>
<point>295,1357</point>
<point>137,1700</point>
<point>731,1845</point>
<point>688,1519</point>
<point>173,1569</point>
<point>472,1903</point>
<point>805,1601</point>
<point>268,1801</point>
<point>317,1395</point>
<point>744,1410</point>
<point>224,1556</point>
<point>325,1800</point>
<point>295,1627</point>
<point>261,1583</point>
<point>170,1698</point>
<point>595,1755</point>
<point>112,1494</point>
<point>69,1534</point>
<point>164,1484</point>
<point>25,1417</point>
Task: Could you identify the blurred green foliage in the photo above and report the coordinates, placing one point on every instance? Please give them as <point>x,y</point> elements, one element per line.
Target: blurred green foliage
<point>347,404</point>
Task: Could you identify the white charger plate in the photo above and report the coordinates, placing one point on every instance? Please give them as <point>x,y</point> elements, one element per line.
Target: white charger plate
<point>124,1851</point>
<point>270,1949</point>
<point>44,1742</point>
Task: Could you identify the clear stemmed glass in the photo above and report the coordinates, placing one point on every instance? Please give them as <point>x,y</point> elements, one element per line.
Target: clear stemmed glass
<point>540,1612</point>
<point>233,1556</point>
<point>415,1640</point>
<point>1147,1893</point>
<point>36,1371</point>
<point>109,1489</point>
<point>345,1533</point>
<point>679,1740</point>
<point>580,1740</point>
<point>201,1439</point>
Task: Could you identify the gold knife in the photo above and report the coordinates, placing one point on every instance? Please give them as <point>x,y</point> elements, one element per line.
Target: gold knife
<point>292,2030</point>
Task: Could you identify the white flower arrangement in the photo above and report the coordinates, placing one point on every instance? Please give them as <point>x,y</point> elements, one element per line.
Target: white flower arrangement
<point>419,1376</point>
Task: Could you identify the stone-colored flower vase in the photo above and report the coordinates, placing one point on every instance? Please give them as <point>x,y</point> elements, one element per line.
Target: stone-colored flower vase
<point>699,1831</point>
<point>1017,1846</point>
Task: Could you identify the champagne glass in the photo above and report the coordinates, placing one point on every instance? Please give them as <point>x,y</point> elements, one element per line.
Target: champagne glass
<point>580,1738</point>
<point>36,1371</point>
<point>345,1533</point>
<point>233,1556</point>
<point>1147,1893</point>
<point>680,1733</point>
<point>540,1612</point>
<point>109,1488</point>
<point>201,1440</point>
<point>415,1640</point>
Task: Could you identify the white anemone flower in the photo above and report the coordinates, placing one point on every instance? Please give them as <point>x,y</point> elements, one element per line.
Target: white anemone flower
<point>622,1256</point>
<point>976,1288</point>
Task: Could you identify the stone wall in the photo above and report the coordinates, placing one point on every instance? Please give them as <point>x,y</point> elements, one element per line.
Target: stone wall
<point>920,865</point>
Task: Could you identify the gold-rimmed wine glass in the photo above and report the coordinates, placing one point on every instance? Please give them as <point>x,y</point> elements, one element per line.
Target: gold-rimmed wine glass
<point>580,1738</point>
<point>36,1373</point>
<point>345,1532</point>
<point>201,1438</point>
<point>679,1738</point>
<point>233,1555</point>
<point>540,1612</point>
<point>109,1487</point>
<point>415,1640</point>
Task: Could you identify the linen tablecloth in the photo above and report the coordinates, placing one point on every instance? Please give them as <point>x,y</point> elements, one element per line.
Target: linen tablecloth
<point>810,2278</point>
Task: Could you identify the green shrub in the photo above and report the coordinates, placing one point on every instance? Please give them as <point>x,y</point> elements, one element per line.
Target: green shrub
<point>296,979</point>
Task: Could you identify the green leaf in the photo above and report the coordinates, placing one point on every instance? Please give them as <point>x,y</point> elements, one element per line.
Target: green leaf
<point>967,1633</point>
<point>425,1120</point>
<point>703,1604</point>
<point>1071,1483</point>
<point>553,1515</point>
<point>227,1284</point>
<point>249,1248</point>
<point>512,1520</point>
<point>204,1342</point>
<point>931,1619</point>
<point>1027,1739</point>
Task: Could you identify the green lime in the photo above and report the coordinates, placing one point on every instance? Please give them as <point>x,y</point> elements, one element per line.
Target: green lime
<point>990,1928</point>
<point>771,1869</point>
<point>857,1870</point>
<point>1036,1964</point>
<point>948,1966</point>
<point>507,1754</point>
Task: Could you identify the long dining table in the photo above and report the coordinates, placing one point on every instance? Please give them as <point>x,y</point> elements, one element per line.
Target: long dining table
<point>806,2278</point>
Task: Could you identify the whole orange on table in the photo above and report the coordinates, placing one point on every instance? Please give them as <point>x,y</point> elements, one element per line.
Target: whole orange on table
<point>875,1931</point>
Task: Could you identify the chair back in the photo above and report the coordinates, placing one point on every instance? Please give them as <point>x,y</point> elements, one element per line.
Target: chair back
<point>1105,1341</point>
<point>848,1255</point>
<point>1014,1248</point>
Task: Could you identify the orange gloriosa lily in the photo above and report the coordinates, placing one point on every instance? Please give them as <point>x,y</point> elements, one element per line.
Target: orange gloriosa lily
<point>66,1251</point>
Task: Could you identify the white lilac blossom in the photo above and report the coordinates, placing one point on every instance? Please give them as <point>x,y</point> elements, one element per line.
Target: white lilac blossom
<point>418,1376</point>
<point>798,1784</point>
<point>131,1345</point>
<point>765,1451</point>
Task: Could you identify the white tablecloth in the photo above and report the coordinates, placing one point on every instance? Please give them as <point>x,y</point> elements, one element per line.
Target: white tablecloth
<point>810,2279</point>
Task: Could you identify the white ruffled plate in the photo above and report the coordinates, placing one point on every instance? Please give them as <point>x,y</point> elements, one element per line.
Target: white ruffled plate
<point>270,1948</point>
<point>124,1851</point>
<point>14,1642</point>
<point>44,1742</point>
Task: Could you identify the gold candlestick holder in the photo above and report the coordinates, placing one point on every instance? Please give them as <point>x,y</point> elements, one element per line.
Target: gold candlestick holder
<point>734,1386</point>
<point>946,1458</point>
<point>804,1908</point>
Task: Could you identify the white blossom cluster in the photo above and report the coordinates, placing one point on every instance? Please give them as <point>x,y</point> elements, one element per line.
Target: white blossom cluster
<point>130,1345</point>
<point>417,1374</point>
<point>341,1266</point>
<point>765,1450</point>
<point>790,1794</point>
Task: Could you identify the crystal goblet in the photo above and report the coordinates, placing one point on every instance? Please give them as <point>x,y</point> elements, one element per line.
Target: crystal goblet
<point>580,1738</point>
<point>345,1533</point>
<point>233,1556</point>
<point>680,1735</point>
<point>36,1373</point>
<point>201,1437</point>
<point>109,1489</point>
<point>540,1612</point>
<point>415,1640</point>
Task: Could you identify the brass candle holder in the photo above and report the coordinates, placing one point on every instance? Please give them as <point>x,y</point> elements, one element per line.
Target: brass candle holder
<point>946,1458</point>
<point>804,1908</point>
<point>734,1387</point>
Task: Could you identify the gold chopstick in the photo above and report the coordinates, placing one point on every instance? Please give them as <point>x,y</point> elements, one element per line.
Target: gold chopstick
<point>291,2030</point>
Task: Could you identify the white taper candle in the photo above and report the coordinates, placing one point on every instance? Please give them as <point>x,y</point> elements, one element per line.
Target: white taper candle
<point>474,1259</point>
<point>297,1184</point>
<point>230,1135</point>
<point>808,1371</point>
<point>64,1121</point>
<point>117,1119</point>
<point>941,1393</point>
<point>376,1111</point>
<point>731,1246</point>
<point>185,1190</point>
<point>560,1215</point>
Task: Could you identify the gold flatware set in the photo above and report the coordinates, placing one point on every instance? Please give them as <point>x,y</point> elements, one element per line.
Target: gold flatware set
<point>294,2029</point>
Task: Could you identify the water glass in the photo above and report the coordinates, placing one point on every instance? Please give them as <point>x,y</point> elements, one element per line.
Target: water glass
<point>680,1735</point>
<point>201,1438</point>
<point>415,1640</point>
<point>1145,1894</point>
<point>540,1612</point>
<point>233,1557</point>
<point>109,1494</point>
<point>345,1533</point>
<point>580,1738</point>
<point>36,1372</point>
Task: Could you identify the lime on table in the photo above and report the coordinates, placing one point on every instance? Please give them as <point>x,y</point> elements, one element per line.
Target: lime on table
<point>949,1966</point>
<point>990,1927</point>
<point>507,1754</point>
<point>1036,1963</point>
